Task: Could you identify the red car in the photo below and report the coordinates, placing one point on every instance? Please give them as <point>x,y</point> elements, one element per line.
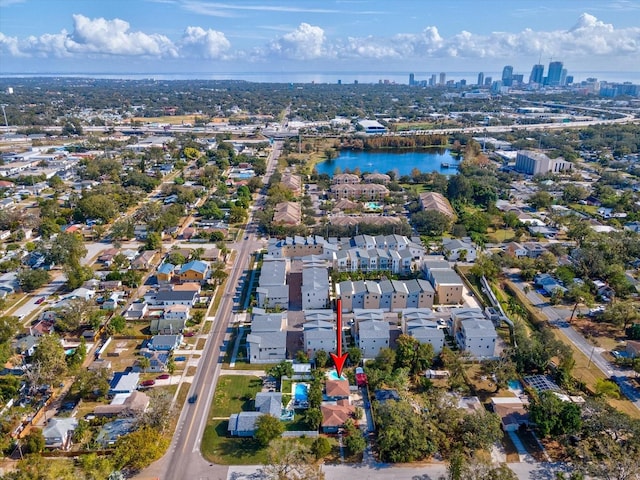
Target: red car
<point>164,376</point>
<point>189,334</point>
<point>40,300</point>
<point>147,383</point>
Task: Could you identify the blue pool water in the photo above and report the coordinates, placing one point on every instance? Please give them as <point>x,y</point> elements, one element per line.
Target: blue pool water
<point>515,385</point>
<point>301,392</point>
<point>333,375</point>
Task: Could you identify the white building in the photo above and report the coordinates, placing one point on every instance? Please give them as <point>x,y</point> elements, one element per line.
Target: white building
<point>537,163</point>
<point>477,337</point>
<point>373,335</point>
<point>315,288</point>
<point>319,335</point>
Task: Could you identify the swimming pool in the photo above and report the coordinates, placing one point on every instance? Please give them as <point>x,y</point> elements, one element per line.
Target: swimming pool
<point>333,375</point>
<point>515,385</point>
<point>300,394</point>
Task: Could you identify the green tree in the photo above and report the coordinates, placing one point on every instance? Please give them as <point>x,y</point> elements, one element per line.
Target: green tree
<point>268,428</point>
<point>321,358</point>
<point>138,449</point>
<point>621,313</point>
<point>282,369</point>
<point>313,418</point>
<point>32,279</point>
<point>607,388</point>
<point>354,439</point>
<point>480,430</point>
<point>34,442</point>
<point>290,460</point>
<point>431,222</point>
<point>153,242</point>
<point>48,365</point>
<point>404,435</point>
<point>355,355</point>
<point>541,200</point>
<point>553,416</point>
<point>117,324</point>
<point>412,354</point>
<point>321,447</point>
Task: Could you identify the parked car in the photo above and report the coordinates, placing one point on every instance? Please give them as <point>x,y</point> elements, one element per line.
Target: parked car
<point>179,359</point>
<point>147,383</point>
<point>189,334</point>
<point>164,376</point>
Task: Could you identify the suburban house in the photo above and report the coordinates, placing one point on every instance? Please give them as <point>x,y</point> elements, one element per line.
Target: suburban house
<point>436,201</point>
<point>515,249</point>
<point>267,342</point>
<point>165,343</point>
<point>194,271</point>
<point>633,348</point>
<point>462,250</point>
<point>176,312</point>
<point>446,282</point>
<point>422,325</point>
<point>145,260</point>
<point>287,213</point>
<point>335,415</point>
<point>172,296</point>
<point>124,382</point>
<point>336,390</point>
<point>157,362</point>
<point>315,288</point>
<point>167,326</point>
<point>137,310</point>
<point>318,335</point>
<point>124,404</point>
<point>243,424</point>
<point>269,403</point>
<point>512,411</point>
<point>59,431</point>
<point>164,273</point>
<point>477,337</point>
<point>372,336</point>
<point>272,290</point>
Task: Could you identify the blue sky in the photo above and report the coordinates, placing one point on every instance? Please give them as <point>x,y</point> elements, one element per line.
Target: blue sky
<point>422,36</point>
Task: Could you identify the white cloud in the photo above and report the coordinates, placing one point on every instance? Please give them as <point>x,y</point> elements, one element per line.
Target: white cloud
<point>94,36</point>
<point>589,40</point>
<point>304,43</point>
<point>10,45</point>
<point>199,42</point>
<point>113,37</point>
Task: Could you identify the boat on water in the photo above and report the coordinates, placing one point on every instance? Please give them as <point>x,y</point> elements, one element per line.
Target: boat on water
<point>444,165</point>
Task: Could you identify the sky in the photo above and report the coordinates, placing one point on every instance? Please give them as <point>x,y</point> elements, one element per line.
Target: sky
<point>199,37</point>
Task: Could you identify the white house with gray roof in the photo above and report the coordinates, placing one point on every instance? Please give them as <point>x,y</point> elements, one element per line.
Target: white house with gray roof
<point>315,288</point>
<point>457,249</point>
<point>477,337</point>
<point>319,335</point>
<point>421,324</point>
<point>372,336</point>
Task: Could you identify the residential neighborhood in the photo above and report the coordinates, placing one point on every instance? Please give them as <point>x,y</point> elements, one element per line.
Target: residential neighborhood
<point>177,288</point>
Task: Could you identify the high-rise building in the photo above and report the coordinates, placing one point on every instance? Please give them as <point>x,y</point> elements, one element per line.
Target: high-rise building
<point>537,74</point>
<point>432,80</point>
<point>569,79</point>
<point>480,79</point>
<point>443,78</point>
<point>555,73</point>
<point>563,77</point>
<point>507,76</point>
<point>412,79</point>
<point>517,79</point>
<point>488,81</point>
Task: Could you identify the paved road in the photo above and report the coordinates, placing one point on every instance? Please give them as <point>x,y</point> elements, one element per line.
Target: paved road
<point>183,459</point>
<point>382,471</point>
<point>556,319</point>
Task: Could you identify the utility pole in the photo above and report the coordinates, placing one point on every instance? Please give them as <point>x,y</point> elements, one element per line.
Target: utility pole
<point>6,123</point>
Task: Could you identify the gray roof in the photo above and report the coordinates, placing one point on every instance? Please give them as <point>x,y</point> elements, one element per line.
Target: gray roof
<point>267,322</point>
<point>436,264</point>
<point>386,286</point>
<point>374,329</point>
<point>244,421</point>
<point>273,272</point>
<point>269,403</point>
<point>317,325</point>
<point>425,333</point>
<point>57,429</point>
<point>175,295</point>
<point>446,277</point>
<point>124,382</point>
<point>476,327</point>
<point>269,339</point>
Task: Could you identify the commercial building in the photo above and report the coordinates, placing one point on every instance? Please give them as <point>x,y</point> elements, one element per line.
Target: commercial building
<point>537,163</point>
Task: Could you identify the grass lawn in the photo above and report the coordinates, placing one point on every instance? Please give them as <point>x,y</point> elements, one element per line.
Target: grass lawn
<point>217,447</point>
<point>234,393</point>
<point>501,235</point>
<point>298,422</point>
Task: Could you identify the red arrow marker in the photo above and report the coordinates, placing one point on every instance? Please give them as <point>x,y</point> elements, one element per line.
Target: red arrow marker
<point>338,357</point>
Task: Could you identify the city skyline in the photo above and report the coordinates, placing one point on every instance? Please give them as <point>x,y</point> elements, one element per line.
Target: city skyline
<point>201,37</point>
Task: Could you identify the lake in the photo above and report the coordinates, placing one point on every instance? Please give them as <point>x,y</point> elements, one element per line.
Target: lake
<point>381,162</point>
